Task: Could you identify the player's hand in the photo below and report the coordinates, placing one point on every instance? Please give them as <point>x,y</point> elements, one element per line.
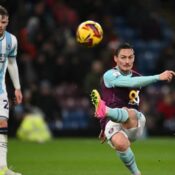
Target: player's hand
<point>167,75</point>
<point>102,137</point>
<point>18,96</point>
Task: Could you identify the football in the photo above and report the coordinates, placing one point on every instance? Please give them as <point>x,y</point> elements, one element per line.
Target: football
<point>89,33</point>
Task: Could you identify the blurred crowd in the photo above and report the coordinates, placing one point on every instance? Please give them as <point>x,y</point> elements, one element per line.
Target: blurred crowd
<point>57,74</point>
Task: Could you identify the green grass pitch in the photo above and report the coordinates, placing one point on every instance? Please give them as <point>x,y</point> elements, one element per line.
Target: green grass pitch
<point>76,156</point>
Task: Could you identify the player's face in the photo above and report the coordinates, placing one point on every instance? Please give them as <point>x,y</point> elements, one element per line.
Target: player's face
<point>125,59</point>
<point>3,24</point>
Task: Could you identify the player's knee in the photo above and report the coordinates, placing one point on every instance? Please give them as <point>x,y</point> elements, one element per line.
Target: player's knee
<point>3,126</point>
<point>131,113</point>
<point>120,142</point>
<point>3,123</point>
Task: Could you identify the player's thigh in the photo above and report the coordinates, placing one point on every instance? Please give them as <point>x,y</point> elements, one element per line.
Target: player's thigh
<point>117,139</point>
<point>120,141</point>
<point>112,128</point>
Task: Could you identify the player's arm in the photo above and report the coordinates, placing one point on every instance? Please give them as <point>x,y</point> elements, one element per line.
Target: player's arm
<point>167,75</point>
<point>14,75</point>
<point>13,70</point>
<point>118,80</point>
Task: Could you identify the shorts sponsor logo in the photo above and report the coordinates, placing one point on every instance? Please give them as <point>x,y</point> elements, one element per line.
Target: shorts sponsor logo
<point>111,130</point>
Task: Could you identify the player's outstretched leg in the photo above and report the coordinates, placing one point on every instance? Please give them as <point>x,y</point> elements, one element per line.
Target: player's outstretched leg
<point>99,104</point>
<point>101,110</point>
<point>6,171</point>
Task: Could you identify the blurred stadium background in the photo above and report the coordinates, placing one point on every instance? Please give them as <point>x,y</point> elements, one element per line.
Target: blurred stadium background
<point>57,76</point>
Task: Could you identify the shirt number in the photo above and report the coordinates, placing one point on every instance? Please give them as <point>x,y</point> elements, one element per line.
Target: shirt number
<point>134,97</point>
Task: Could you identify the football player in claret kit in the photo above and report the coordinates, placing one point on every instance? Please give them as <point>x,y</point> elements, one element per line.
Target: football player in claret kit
<point>118,109</point>
<point>8,52</point>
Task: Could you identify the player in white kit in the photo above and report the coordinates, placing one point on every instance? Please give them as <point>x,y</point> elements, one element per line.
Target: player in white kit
<point>8,52</point>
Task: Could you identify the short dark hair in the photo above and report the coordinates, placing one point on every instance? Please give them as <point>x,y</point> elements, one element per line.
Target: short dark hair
<point>123,46</point>
<point>3,11</point>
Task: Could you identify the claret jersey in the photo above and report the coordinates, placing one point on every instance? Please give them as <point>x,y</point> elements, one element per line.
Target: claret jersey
<point>120,96</point>
<point>122,90</point>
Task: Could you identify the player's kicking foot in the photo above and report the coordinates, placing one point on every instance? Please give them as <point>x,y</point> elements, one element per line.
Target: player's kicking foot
<point>6,171</point>
<point>99,104</point>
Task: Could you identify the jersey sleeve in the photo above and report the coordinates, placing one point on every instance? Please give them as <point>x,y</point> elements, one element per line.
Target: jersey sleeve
<point>13,51</point>
<point>114,78</point>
